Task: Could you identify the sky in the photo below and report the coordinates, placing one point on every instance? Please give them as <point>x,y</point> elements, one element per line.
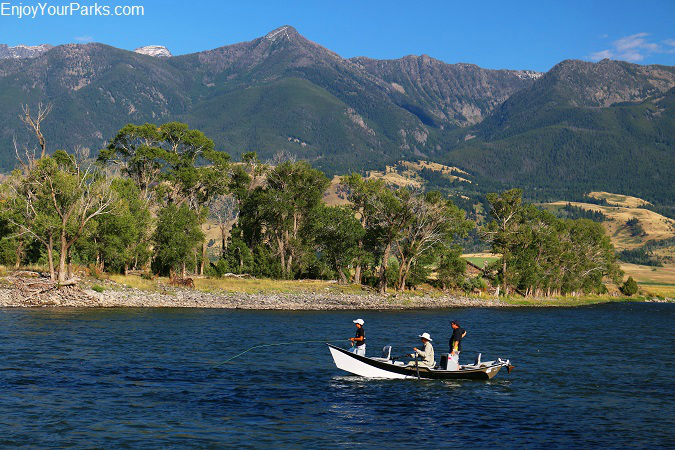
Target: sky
<point>492,34</point>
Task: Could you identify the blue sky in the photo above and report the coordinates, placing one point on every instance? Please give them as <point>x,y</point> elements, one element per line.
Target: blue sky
<point>492,34</point>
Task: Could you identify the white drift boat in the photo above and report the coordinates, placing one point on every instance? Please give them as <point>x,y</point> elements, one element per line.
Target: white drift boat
<point>388,367</point>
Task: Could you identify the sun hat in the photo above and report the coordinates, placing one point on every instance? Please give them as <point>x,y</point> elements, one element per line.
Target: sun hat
<point>359,321</point>
<point>426,336</point>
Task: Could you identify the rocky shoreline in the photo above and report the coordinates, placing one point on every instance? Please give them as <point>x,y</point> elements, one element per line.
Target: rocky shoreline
<point>121,296</point>
<point>124,297</point>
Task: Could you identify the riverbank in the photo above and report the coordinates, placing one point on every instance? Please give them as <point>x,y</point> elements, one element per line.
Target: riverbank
<point>125,297</point>
<point>134,292</point>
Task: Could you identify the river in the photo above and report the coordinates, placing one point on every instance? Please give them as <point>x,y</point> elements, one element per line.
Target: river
<point>594,376</point>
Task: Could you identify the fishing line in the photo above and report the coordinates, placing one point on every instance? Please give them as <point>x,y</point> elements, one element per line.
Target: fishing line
<point>272,345</point>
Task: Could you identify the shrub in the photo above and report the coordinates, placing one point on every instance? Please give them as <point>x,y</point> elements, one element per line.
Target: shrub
<point>97,288</point>
<point>629,287</point>
<point>95,272</point>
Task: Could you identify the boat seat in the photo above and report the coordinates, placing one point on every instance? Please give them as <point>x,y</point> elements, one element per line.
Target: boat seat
<point>386,352</point>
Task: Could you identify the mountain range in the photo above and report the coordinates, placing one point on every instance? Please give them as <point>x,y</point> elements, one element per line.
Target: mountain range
<point>580,126</point>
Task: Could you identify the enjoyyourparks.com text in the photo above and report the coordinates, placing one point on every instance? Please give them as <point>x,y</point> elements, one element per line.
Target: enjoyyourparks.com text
<point>46,9</point>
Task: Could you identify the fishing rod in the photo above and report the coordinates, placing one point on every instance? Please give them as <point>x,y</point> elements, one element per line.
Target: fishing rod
<point>272,345</point>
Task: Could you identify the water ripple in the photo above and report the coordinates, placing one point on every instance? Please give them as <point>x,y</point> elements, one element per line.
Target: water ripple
<point>585,377</point>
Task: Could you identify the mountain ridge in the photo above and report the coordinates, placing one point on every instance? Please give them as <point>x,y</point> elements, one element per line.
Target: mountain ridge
<point>282,91</point>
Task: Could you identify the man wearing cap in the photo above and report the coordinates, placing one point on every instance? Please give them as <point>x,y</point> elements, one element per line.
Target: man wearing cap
<point>427,354</point>
<point>458,334</point>
<point>359,341</point>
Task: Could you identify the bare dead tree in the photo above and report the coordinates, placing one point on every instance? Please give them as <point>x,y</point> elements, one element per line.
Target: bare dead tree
<point>281,157</point>
<point>34,123</point>
<point>26,157</point>
<point>224,210</point>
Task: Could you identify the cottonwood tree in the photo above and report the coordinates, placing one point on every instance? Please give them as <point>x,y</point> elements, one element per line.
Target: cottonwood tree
<point>172,163</point>
<point>337,233</point>
<point>176,237</point>
<point>135,152</point>
<point>56,200</point>
<point>361,193</point>
<point>503,231</point>
<point>120,241</point>
<point>383,216</point>
<point>551,256</point>
<point>431,226</point>
<point>27,198</point>
<point>293,191</point>
<point>276,213</point>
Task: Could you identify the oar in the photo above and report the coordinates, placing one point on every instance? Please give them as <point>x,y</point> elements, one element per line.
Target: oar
<point>417,367</point>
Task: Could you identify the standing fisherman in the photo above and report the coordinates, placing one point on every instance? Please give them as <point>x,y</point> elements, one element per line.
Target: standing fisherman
<point>359,341</point>
<point>458,334</point>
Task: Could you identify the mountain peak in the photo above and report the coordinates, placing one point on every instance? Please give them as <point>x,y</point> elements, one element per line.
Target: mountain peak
<point>285,32</point>
<point>158,51</point>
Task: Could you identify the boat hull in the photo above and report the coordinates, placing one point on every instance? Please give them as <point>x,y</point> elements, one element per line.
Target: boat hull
<point>379,368</point>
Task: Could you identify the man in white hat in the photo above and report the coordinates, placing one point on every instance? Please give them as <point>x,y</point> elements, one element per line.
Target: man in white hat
<point>359,341</point>
<point>427,354</point>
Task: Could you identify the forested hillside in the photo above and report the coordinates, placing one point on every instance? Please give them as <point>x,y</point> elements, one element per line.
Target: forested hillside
<point>577,128</point>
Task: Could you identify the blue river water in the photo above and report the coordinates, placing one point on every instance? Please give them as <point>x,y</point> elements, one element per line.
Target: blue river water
<point>596,376</point>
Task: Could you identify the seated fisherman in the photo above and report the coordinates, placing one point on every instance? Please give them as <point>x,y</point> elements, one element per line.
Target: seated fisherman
<point>427,354</point>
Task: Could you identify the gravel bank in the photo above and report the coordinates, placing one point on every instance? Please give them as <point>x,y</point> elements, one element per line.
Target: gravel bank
<point>189,298</point>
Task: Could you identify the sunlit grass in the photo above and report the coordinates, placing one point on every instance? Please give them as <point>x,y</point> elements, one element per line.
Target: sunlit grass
<point>136,282</point>
<point>567,300</point>
<point>658,289</point>
<point>265,285</point>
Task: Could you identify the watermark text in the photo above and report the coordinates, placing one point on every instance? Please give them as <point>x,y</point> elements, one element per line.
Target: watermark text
<point>73,9</point>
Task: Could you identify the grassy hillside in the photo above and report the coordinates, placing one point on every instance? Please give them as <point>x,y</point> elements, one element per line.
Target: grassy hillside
<point>314,125</point>
<point>655,226</point>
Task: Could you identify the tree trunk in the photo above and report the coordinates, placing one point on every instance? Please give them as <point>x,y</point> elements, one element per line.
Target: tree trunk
<point>50,257</point>
<point>183,271</point>
<point>222,242</point>
<point>357,269</point>
<point>403,271</point>
<point>505,287</point>
<point>382,284</point>
<point>343,277</point>
<point>69,265</point>
<point>201,266</point>
<point>19,252</point>
<point>282,254</point>
<point>63,256</point>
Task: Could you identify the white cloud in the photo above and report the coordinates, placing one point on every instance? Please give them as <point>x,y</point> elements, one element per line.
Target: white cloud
<point>84,39</point>
<point>633,48</point>
<point>670,46</point>
<point>602,54</point>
